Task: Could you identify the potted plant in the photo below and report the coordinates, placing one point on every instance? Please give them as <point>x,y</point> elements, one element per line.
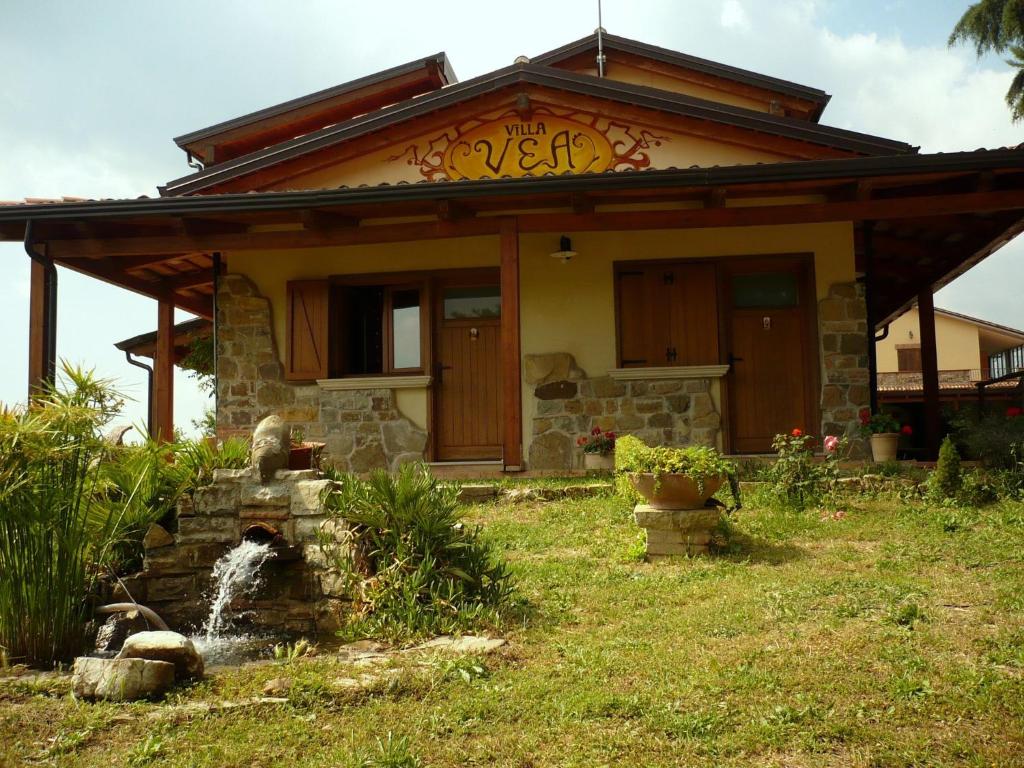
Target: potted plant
<point>884,431</point>
<point>675,478</point>
<point>303,455</point>
<point>598,450</point>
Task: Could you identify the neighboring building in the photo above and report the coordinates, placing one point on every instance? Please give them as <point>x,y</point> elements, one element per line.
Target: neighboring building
<point>411,267</point>
<point>969,350</point>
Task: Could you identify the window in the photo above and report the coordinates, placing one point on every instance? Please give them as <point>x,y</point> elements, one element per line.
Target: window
<point>908,359</point>
<point>765,290</point>
<point>471,303</point>
<point>667,314</point>
<point>378,329</point>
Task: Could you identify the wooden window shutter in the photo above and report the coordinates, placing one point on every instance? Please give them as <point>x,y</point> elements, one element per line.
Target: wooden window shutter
<point>908,359</point>
<point>306,355</point>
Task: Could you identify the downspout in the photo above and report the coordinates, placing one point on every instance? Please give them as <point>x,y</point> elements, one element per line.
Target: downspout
<point>869,284</point>
<point>50,321</point>
<point>149,388</point>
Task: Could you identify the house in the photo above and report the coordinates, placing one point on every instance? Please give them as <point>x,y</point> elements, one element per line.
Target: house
<point>412,267</point>
<point>969,351</point>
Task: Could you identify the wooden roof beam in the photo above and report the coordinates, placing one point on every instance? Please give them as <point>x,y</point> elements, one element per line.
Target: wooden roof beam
<point>453,210</point>
<point>152,290</point>
<point>319,220</point>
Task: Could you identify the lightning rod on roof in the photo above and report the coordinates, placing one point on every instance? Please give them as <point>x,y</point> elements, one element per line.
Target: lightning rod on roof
<point>600,42</point>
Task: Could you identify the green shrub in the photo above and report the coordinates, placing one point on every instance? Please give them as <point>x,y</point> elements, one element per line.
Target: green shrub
<point>417,568</point>
<point>994,436</point>
<point>946,481</point>
<point>698,462</point>
<point>797,480</point>
<point>198,459</point>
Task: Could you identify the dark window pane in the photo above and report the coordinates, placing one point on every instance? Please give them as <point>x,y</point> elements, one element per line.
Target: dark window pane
<point>462,303</point>
<point>765,289</point>
<point>405,321</point>
<point>362,319</point>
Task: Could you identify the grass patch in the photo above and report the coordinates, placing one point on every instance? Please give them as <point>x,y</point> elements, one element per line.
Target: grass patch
<point>884,638</point>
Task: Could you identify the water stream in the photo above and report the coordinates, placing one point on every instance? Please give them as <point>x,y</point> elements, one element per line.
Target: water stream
<point>235,574</point>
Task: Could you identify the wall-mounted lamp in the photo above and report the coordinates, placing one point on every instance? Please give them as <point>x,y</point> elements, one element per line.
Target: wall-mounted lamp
<point>565,251</point>
<point>910,334</point>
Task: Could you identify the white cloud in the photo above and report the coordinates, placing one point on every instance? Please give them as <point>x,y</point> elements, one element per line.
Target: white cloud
<point>734,16</point>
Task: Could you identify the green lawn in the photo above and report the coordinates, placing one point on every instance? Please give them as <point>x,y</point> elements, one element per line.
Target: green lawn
<point>890,637</point>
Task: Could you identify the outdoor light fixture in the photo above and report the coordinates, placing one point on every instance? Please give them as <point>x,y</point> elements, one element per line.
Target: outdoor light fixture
<point>565,251</point>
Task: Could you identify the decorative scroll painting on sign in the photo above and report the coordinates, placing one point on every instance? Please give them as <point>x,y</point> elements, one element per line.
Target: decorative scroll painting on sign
<point>546,143</point>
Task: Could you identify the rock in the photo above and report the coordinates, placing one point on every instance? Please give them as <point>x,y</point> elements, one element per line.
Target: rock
<point>270,445</point>
<point>474,494</point>
<point>156,537</point>
<point>165,646</point>
<point>464,644</point>
<point>556,390</point>
<point>402,437</point>
<point>552,450</point>
<point>554,366</point>
<point>277,687</point>
<point>120,679</point>
<point>116,629</point>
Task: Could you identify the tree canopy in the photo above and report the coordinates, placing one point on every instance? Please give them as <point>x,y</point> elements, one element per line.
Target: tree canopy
<point>997,26</point>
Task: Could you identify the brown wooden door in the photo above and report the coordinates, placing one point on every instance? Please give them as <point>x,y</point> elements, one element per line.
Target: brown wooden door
<point>771,375</point>
<point>468,372</point>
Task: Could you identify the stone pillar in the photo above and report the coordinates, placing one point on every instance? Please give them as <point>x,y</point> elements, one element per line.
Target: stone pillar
<point>843,330</point>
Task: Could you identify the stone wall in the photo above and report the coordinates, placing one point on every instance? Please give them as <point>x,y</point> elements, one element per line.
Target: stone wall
<point>843,330</point>
<point>362,429</point>
<point>568,404</point>
<point>300,592</point>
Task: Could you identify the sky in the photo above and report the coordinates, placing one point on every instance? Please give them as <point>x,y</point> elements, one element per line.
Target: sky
<point>92,94</point>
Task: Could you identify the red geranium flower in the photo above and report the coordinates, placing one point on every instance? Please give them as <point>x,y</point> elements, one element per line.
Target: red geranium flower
<point>865,415</point>
<point>595,431</point>
<point>1014,411</point>
<point>581,441</point>
<point>610,435</point>
<point>906,430</point>
<point>797,432</point>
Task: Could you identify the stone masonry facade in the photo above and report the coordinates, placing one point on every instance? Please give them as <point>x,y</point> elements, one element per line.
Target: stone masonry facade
<point>670,411</point>
<point>843,330</point>
<point>362,429</point>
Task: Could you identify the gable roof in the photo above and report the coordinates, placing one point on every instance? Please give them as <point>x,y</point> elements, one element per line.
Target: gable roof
<point>315,110</point>
<point>685,61</point>
<point>549,77</point>
<point>984,324</point>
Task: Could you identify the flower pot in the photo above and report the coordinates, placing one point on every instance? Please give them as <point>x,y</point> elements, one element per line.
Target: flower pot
<point>304,455</point>
<point>674,491</point>
<point>883,446</point>
<point>599,462</point>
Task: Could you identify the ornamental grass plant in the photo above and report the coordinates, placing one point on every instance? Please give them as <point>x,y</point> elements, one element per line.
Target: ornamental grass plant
<point>415,568</point>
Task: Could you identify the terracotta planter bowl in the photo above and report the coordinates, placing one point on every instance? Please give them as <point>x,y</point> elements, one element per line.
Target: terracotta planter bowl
<point>304,455</point>
<point>674,491</point>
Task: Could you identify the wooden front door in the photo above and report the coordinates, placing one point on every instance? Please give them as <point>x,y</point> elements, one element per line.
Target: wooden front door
<point>769,326</point>
<point>467,373</point>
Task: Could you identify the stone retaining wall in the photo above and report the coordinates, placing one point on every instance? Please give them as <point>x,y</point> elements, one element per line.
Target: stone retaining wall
<point>669,411</point>
<point>362,429</point>
<point>301,592</point>
<point>843,330</point>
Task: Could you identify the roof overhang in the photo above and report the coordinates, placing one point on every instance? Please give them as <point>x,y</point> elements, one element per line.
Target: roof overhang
<point>677,106</point>
<point>144,345</point>
<point>932,217</point>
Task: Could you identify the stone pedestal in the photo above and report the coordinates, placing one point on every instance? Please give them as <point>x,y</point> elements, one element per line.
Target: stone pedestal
<point>673,532</point>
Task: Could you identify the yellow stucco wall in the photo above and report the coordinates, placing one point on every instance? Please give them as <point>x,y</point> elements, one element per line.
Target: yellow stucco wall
<point>956,342</point>
<point>565,307</point>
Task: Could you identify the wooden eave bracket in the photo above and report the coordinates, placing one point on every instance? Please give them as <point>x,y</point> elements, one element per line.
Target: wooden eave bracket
<point>320,220</point>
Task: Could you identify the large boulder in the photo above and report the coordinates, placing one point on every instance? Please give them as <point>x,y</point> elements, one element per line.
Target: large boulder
<point>120,679</point>
<point>165,646</point>
<point>270,445</point>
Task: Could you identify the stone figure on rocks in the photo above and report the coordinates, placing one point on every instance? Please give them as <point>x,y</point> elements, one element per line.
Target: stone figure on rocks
<point>270,445</point>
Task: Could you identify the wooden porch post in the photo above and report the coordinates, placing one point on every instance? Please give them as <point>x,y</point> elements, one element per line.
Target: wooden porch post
<point>163,373</point>
<point>512,401</point>
<point>42,331</point>
<point>929,373</point>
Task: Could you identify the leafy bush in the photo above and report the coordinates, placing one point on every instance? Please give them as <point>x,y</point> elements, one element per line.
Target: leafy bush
<point>417,569</point>
<point>797,480</point>
<point>993,437</point>
<point>199,458</point>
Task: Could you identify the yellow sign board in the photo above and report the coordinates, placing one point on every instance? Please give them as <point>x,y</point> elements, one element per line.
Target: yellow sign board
<point>512,147</point>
